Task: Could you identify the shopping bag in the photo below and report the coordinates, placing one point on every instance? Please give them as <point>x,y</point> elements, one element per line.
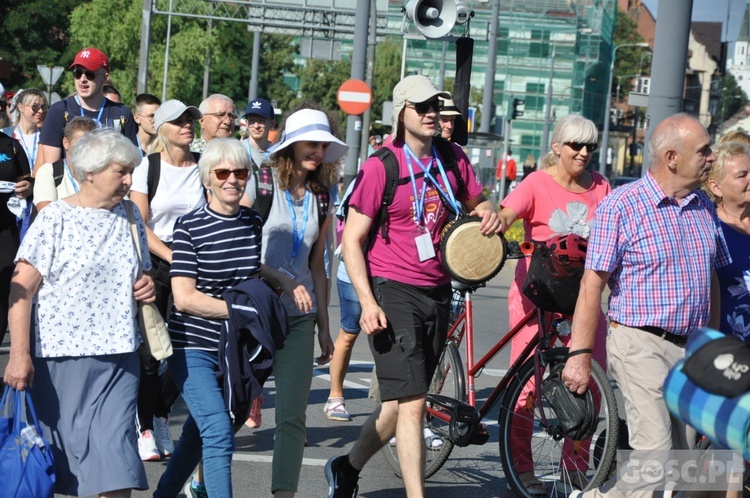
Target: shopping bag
<point>26,464</point>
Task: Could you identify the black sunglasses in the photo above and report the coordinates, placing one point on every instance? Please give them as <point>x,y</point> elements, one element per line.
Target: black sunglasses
<point>223,174</point>
<point>37,107</point>
<point>577,146</point>
<point>79,71</point>
<point>424,107</point>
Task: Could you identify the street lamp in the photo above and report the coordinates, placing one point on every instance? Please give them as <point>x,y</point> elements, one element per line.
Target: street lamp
<point>608,106</point>
<point>617,93</point>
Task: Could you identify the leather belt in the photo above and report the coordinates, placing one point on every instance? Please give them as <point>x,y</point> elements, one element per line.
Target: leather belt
<point>677,340</point>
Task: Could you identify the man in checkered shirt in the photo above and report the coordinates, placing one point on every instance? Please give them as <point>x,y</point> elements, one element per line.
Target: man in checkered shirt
<point>656,242</point>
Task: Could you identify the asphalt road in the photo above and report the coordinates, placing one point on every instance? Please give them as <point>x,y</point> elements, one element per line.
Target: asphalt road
<point>471,471</point>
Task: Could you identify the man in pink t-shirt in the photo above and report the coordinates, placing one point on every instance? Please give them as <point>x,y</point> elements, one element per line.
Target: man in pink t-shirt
<point>402,286</point>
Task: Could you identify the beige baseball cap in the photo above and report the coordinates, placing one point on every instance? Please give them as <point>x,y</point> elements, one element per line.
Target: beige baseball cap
<point>415,88</point>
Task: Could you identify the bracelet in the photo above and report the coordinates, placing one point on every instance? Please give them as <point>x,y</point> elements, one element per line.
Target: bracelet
<point>579,351</point>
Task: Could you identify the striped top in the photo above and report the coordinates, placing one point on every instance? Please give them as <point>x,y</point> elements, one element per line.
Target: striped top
<point>218,252</point>
<point>661,254</point>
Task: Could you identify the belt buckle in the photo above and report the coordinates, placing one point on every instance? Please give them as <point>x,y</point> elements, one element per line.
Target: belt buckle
<point>664,334</point>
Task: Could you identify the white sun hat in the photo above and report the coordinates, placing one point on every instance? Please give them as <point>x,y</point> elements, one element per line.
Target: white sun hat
<point>309,125</point>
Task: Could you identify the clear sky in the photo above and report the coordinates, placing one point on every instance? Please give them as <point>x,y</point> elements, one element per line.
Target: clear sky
<point>711,10</point>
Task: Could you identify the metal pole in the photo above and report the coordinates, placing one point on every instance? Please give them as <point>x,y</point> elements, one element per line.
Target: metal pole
<point>166,54</point>
<point>441,79</point>
<point>359,54</point>
<point>668,64</point>
<point>489,77</point>
<point>506,146</point>
<point>548,111</point>
<point>371,42</point>
<point>608,104</point>
<point>145,47</point>
<point>252,90</point>
<point>403,56</point>
<point>207,66</point>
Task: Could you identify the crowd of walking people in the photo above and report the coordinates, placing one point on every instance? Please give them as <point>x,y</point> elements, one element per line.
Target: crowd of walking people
<point>133,207</point>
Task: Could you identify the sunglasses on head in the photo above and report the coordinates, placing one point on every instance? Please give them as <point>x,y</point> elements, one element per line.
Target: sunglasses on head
<point>79,71</point>
<point>240,174</point>
<point>424,107</point>
<point>577,146</point>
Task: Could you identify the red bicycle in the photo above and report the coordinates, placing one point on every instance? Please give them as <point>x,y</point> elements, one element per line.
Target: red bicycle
<point>537,458</point>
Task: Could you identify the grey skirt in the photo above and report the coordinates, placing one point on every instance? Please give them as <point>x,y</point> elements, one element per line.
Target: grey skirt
<point>86,407</point>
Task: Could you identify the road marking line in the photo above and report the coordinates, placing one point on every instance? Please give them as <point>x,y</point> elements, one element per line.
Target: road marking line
<point>246,457</point>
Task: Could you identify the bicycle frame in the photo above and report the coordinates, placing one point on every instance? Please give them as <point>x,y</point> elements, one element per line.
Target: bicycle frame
<point>457,333</point>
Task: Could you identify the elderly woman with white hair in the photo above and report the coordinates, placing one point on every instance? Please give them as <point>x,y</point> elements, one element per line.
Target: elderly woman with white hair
<point>558,200</point>
<point>216,248</point>
<point>79,264</point>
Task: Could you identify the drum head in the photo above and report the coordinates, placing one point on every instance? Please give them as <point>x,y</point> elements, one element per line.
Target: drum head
<point>468,255</point>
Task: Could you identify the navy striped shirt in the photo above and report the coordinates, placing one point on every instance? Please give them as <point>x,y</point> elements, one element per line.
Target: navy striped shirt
<point>218,252</point>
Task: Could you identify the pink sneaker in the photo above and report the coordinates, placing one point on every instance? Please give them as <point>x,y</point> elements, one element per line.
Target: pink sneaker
<point>255,419</point>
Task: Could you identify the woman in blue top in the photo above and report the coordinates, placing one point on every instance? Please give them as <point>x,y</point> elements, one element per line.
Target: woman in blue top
<point>729,187</point>
<point>216,247</point>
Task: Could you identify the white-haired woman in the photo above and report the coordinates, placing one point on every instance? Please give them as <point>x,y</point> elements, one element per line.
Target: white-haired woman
<point>79,263</point>
<point>559,199</point>
<point>216,248</point>
<point>304,163</point>
<point>166,185</point>
<point>728,185</point>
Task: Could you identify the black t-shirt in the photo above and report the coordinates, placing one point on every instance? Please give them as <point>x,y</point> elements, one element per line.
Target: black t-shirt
<point>114,115</point>
<point>13,166</point>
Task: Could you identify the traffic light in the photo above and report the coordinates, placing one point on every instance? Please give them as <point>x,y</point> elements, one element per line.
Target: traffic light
<point>518,108</point>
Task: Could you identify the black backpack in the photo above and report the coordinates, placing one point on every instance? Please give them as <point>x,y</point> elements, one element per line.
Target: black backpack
<point>264,195</point>
<point>58,171</point>
<point>392,181</point>
<point>154,174</point>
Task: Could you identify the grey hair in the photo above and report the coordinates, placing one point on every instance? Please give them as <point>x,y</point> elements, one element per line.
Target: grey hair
<point>570,128</point>
<point>667,135</point>
<point>97,150</point>
<point>205,106</point>
<point>220,150</point>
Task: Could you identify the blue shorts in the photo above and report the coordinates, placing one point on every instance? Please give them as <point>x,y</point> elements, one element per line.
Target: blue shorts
<point>350,308</point>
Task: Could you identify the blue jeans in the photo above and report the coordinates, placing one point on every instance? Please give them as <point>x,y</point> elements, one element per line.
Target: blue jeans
<point>207,432</point>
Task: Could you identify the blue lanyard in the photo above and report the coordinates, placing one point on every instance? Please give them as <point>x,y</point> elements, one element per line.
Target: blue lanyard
<point>70,175</point>
<point>446,193</point>
<point>298,237</point>
<point>250,151</point>
<point>31,154</point>
<point>101,109</point>
<point>418,200</point>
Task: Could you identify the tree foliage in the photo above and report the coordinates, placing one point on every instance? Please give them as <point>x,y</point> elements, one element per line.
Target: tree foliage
<point>628,60</point>
<point>387,73</point>
<point>320,81</point>
<point>733,98</point>
<point>34,32</point>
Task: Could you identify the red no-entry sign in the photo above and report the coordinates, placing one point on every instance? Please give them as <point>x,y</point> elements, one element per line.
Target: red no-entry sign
<point>354,97</point>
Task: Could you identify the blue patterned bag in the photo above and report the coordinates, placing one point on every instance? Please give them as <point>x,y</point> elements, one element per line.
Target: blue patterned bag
<point>723,420</point>
<point>26,464</point>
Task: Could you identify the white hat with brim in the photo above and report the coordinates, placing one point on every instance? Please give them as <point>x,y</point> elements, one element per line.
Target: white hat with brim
<point>415,88</point>
<point>449,108</point>
<point>309,125</point>
<point>173,109</point>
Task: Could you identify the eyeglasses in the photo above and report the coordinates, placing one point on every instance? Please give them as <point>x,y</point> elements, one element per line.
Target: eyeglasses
<point>577,146</point>
<point>78,71</point>
<point>39,107</point>
<point>424,107</point>
<point>222,115</point>
<point>256,119</point>
<point>150,117</point>
<point>240,174</point>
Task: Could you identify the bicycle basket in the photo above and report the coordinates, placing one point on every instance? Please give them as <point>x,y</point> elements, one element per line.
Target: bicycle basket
<point>576,413</point>
<point>554,277</point>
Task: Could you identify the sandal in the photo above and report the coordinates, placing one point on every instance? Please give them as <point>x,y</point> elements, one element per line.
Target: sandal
<point>534,486</point>
<point>335,410</point>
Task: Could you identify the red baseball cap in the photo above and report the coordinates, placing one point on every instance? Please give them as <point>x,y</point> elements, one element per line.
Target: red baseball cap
<point>92,59</point>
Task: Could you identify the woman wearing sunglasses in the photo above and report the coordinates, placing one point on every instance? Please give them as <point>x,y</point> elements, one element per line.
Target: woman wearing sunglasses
<point>166,186</point>
<point>217,247</point>
<point>29,109</point>
<point>558,200</point>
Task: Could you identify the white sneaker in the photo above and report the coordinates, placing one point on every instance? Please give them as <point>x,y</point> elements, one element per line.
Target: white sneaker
<point>432,440</point>
<point>147,447</point>
<point>164,441</point>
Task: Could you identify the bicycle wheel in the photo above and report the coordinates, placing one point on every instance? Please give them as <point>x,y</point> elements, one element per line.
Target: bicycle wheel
<point>536,459</point>
<point>449,380</point>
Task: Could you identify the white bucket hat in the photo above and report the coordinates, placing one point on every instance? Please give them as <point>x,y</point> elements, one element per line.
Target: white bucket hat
<point>309,125</point>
